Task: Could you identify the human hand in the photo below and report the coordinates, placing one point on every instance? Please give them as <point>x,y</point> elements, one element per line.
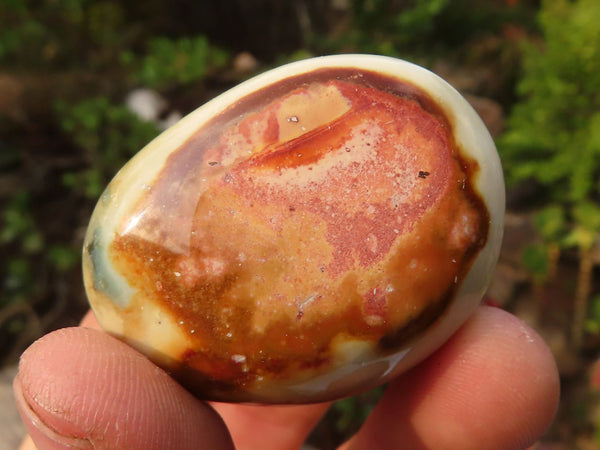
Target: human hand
<point>493,385</point>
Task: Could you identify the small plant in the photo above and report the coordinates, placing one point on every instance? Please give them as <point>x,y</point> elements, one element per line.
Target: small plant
<point>21,236</point>
<point>62,34</point>
<point>386,28</point>
<point>421,29</point>
<point>107,135</point>
<point>404,25</point>
<point>18,229</point>
<point>169,62</point>
<point>592,324</point>
<point>18,225</point>
<point>541,259</point>
<point>553,134</point>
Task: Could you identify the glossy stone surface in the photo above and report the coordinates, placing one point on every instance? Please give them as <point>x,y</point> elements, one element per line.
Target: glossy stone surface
<point>305,236</point>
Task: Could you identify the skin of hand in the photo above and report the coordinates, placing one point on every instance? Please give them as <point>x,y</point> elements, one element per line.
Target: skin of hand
<point>493,385</point>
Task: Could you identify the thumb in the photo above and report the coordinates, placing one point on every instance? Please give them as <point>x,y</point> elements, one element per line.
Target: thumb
<point>80,388</point>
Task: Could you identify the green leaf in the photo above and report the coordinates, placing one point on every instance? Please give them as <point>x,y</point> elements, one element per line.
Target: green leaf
<point>593,318</point>
<point>108,134</point>
<point>580,237</point>
<point>18,275</point>
<point>33,242</point>
<point>179,62</point>
<point>19,225</point>
<point>535,260</point>
<point>419,19</point>
<point>587,215</point>
<point>551,222</point>
<point>63,257</point>
<point>552,134</point>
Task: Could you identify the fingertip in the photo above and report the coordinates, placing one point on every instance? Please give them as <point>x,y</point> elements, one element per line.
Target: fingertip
<point>41,436</point>
<point>494,382</point>
<point>81,388</point>
<point>502,376</point>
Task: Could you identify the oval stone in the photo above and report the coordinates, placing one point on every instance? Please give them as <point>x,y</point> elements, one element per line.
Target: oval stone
<point>302,237</point>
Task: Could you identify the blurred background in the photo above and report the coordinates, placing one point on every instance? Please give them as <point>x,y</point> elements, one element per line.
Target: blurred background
<point>85,84</point>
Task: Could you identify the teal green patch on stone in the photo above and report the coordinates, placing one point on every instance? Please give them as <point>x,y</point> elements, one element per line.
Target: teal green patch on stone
<point>106,280</point>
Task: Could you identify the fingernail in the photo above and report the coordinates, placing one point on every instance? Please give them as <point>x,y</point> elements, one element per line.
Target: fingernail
<point>44,436</point>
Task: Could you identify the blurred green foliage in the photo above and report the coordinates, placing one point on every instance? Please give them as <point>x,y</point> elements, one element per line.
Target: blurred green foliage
<point>421,29</point>
<point>19,228</point>
<point>384,27</point>
<point>353,411</point>
<point>586,225</point>
<point>553,134</point>
<point>593,321</point>
<point>553,138</point>
<point>177,62</point>
<point>551,223</point>
<point>62,33</point>
<point>535,260</point>
<point>552,227</point>
<point>107,134</point>
<point>19,224</point>
<point>101,36</point>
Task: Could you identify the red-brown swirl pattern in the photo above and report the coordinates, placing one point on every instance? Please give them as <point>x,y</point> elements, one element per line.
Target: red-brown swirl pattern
<point>323,209</point>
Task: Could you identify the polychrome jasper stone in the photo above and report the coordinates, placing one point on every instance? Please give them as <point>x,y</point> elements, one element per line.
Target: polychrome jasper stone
<point>307,235</point>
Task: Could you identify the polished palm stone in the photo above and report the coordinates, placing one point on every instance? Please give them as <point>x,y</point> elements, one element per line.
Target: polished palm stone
<point>307,235</point>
